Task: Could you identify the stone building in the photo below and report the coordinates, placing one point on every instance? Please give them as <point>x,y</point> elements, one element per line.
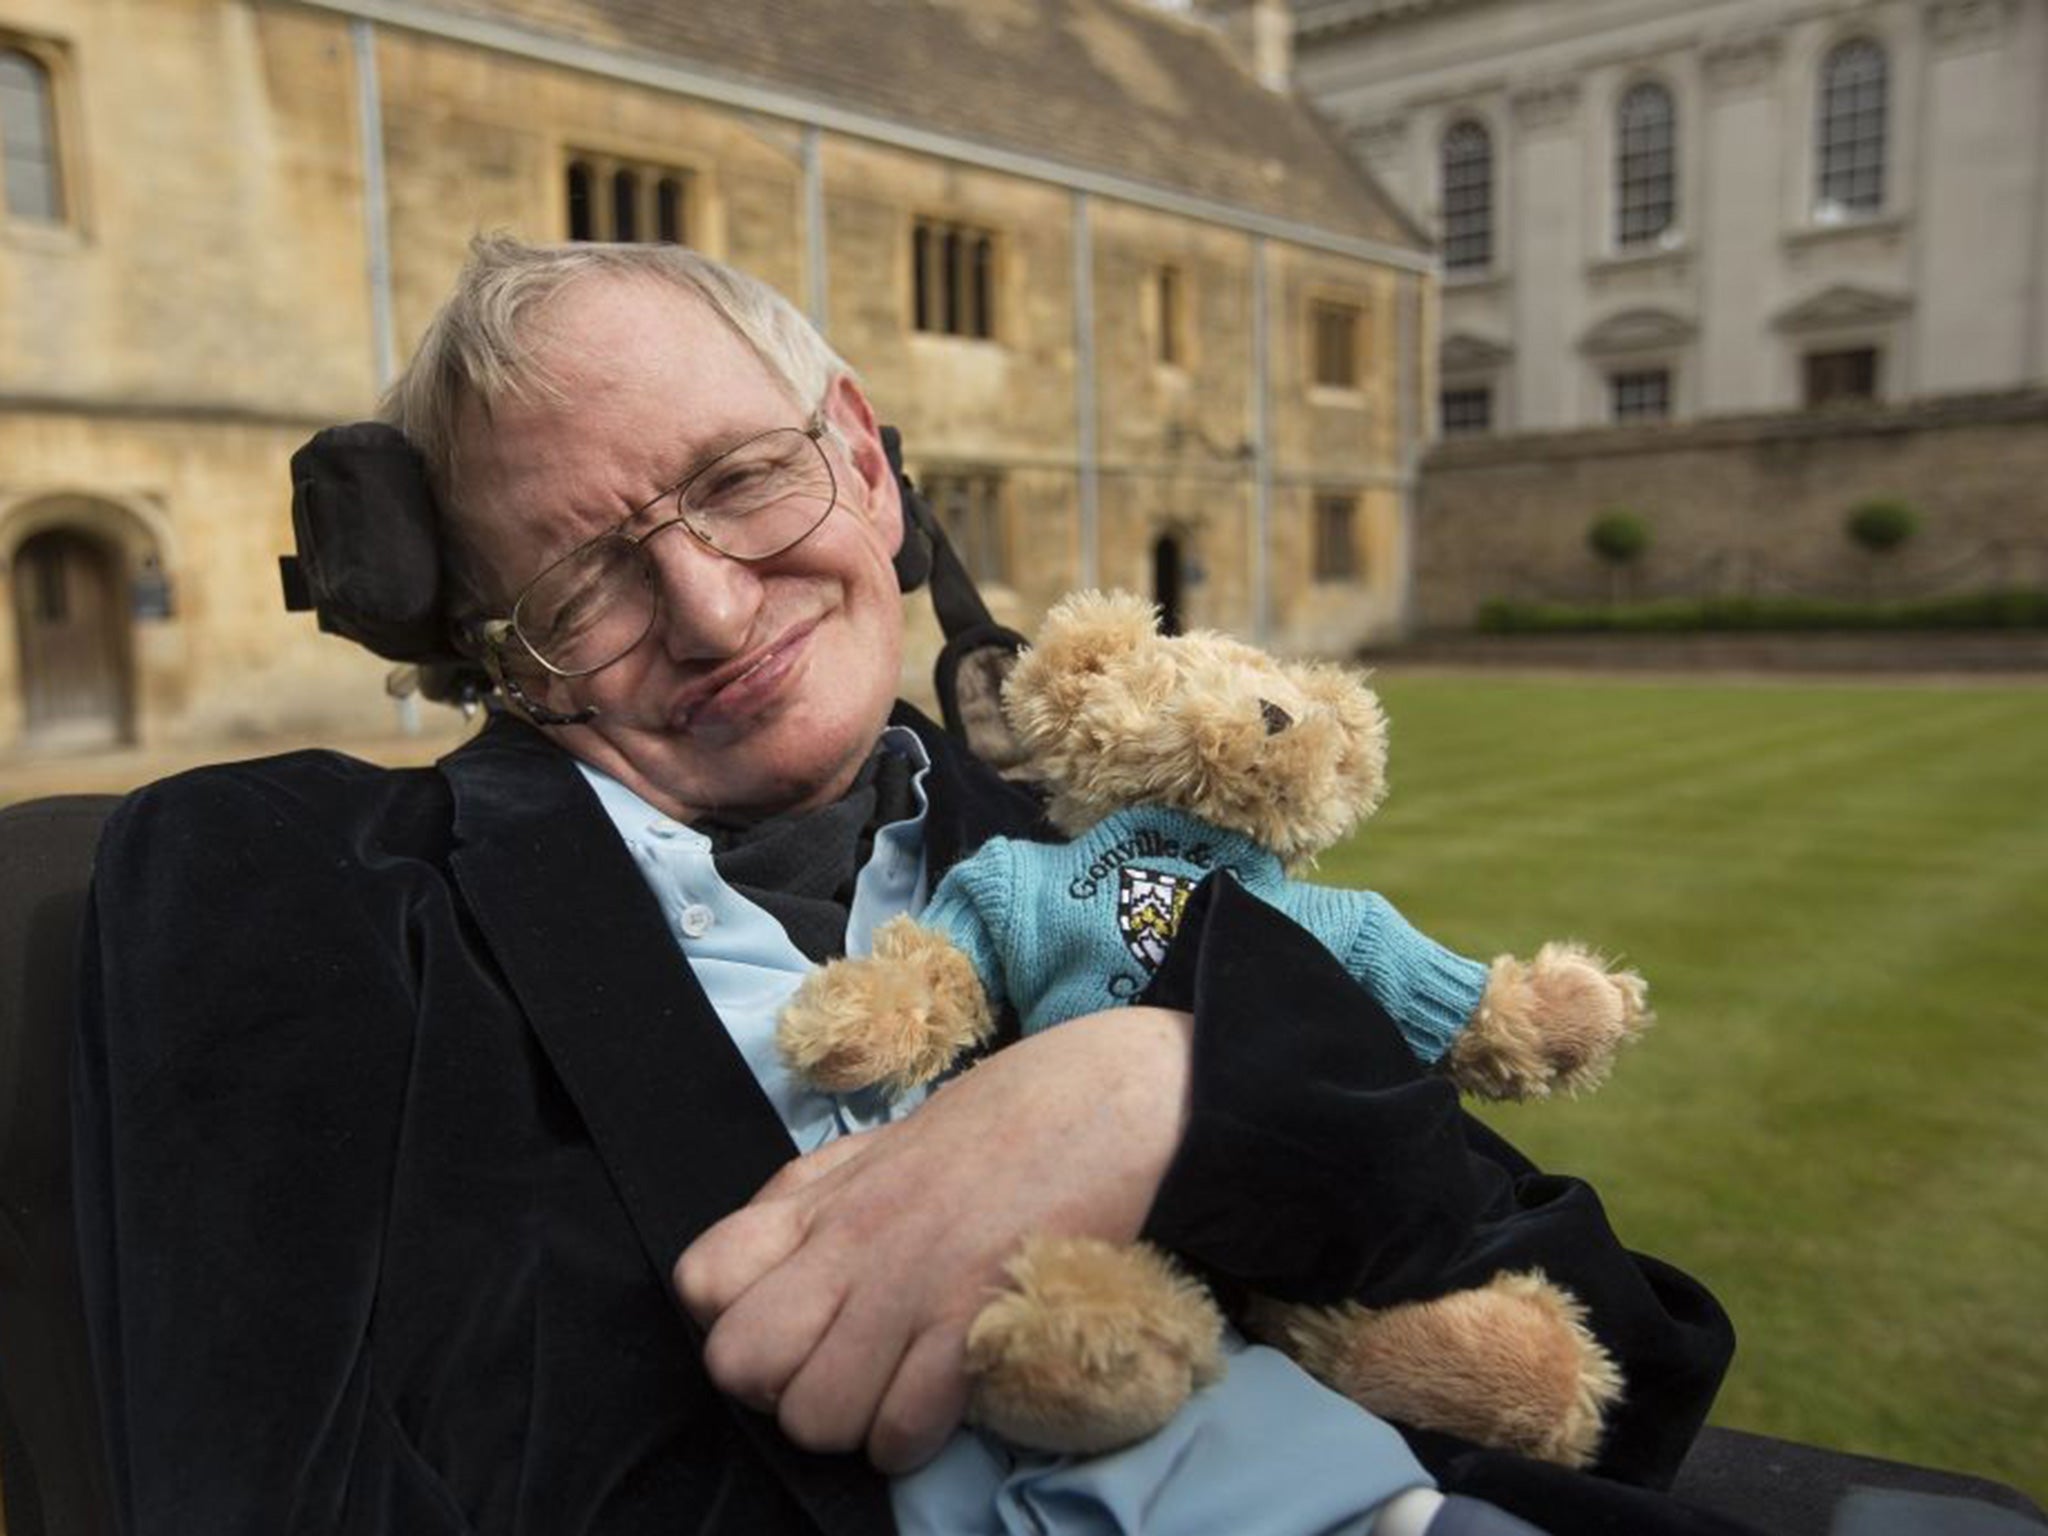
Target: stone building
<point>1140,319</point>
<point>1679,239</point>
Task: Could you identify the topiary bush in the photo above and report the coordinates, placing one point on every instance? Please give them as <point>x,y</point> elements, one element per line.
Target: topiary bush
<point>1881,526</point>
<point>1618,537</point>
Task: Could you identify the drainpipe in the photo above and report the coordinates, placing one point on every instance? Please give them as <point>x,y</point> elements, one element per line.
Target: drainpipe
<point>1262,448</point>
<point>376,214</point>
<point>814,226</point>
<point>1084,390</point>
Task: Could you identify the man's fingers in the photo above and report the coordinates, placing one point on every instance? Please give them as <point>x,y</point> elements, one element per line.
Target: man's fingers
<point>923,1405</point>
<point>727,1259</point>
<point>761,1342</point>
<point>831,1401</point>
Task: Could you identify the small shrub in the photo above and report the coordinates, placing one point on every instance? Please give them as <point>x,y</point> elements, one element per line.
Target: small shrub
<point>1618,537</point>
<point>1881,526</point>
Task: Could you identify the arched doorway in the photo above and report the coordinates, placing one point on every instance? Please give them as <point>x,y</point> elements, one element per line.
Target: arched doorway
<point>72,640</point>
<point>1169,576</point>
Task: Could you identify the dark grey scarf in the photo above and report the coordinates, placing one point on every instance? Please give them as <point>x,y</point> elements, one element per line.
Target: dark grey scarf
<point>801,869</point>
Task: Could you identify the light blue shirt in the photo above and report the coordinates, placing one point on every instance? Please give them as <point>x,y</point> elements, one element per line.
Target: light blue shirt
<point>1265,1449</point>
<point>742,958</point>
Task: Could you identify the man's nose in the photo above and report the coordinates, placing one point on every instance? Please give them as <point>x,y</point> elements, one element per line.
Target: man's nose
<point>708,602</point>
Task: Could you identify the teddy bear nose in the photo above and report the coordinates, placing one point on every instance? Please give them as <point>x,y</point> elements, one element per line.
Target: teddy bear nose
<point>1276,718</point>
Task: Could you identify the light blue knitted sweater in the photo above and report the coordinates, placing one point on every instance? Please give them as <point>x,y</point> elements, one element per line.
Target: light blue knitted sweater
<point>1063,929</point>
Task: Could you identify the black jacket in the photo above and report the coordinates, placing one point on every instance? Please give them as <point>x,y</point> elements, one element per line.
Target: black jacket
<point>396,1102</point>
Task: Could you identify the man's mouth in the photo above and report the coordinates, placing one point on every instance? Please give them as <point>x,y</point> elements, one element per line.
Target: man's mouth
<point>741,687</point>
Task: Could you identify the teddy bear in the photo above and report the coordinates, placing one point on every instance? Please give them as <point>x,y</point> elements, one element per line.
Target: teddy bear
<point>1168,760</point>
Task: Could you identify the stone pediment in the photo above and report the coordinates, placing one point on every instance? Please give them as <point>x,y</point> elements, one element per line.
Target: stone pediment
<point>1843,305</point>
<point>1638,330</point>
<point>1463,352</point>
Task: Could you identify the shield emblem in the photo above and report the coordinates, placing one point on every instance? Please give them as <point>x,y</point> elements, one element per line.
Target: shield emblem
<point>1149,903</point>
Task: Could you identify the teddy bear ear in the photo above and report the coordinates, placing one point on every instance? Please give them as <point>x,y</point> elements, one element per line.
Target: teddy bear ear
<point>1361,766</point>
<point>1083,638</point>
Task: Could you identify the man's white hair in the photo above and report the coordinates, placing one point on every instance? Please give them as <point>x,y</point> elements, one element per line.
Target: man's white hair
<point>477,349</point>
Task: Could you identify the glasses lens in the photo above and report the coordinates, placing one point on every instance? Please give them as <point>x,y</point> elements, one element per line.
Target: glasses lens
<point>762,497</point>
<point>589,608</point>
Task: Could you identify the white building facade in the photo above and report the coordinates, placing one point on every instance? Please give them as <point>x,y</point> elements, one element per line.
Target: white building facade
<point>1678,209</point>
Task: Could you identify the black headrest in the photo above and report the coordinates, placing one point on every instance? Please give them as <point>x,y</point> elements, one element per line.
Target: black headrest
<point>369,560</point>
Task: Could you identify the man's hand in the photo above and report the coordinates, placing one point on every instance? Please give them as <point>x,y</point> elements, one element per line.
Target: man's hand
<point>839,1298</point>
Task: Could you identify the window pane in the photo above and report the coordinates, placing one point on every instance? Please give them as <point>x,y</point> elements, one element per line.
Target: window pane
<point>1169,315</point>
<point>1468,197</point>
<point>1334,339</point>
<point>668,211</point>
<point>582,225</point>
<point>1851,128</point>
<point>1641,394</point>
<point>28,139</point>
<point>1336,551</point>
<point>1837,377</point>
<point>1467,410</point>
<point>1646,200</point>
<point>981,315</point>
<point>625,205</point>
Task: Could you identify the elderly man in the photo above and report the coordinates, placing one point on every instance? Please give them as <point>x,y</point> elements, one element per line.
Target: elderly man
<point>429,1121</point>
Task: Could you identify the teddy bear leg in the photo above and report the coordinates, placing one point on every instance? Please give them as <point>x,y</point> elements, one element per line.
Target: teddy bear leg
<point>1549,1024</point>
<point>896,1018</point>
<point>1091,1346</point>
<point>1510,1364</point>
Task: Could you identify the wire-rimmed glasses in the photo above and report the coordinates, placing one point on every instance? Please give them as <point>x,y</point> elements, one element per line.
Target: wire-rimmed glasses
<point>751,503</point>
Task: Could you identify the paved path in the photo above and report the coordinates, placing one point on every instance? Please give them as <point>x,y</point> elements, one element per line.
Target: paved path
<point>123,769</point>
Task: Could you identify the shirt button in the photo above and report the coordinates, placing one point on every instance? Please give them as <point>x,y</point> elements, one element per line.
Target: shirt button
<point>696,920</point>
<point>663,829</point>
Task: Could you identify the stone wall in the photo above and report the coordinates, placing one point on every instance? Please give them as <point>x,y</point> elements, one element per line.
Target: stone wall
<point>1740,506</point>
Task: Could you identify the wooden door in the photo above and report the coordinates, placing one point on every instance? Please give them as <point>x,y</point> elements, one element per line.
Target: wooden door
<point>73,640</point>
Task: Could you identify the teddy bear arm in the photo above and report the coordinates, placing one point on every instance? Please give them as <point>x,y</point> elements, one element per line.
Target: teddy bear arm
<point>1089,1346</point>
<point>1551,1024</point>
<point>1429,990</point>
<point>892,1019</point>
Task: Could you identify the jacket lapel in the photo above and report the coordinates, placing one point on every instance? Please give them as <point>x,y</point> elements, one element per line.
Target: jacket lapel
<point>675,1114</point>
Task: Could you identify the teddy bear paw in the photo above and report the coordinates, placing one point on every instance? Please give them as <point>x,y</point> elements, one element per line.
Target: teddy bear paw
<point>894,1019</point>
<point>1091,1346</point>
<point>1552,1024</point>
<point>1510,1364</point>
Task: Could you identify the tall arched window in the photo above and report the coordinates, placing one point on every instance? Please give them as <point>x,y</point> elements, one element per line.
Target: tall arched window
<point>1645,165</point>
<point>1850,127</point>
<point>28,139</point>
<point>1468,197</point>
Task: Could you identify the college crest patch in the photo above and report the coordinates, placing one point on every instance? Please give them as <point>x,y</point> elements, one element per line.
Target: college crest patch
<point>1149,903</point>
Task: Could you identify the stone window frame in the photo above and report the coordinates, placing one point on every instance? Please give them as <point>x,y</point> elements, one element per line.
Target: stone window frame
<point>1468,207</point>
<point>1852,166</point>
<point>1646,159</point>
<point>1335,553</point>
<point>1321,317</point>
<point>956,293</point>
<point>666,198</point>
<point>1840,355</point>
<point>1636,375</point>
<point>52,56</point>
<point>972,504</point>
<point>1169,308</point>
<point>1485,390</point>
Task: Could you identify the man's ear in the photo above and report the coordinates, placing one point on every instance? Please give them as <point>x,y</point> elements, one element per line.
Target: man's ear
<point>881,503</point>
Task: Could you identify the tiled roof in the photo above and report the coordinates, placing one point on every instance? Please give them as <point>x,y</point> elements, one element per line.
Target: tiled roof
<point>1107,86</point>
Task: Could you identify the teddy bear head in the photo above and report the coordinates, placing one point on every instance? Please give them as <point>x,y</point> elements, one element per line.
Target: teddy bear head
<point>1113,715</point>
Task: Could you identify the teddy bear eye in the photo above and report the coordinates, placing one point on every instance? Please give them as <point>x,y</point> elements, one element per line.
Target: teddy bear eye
<point>1276,718</point>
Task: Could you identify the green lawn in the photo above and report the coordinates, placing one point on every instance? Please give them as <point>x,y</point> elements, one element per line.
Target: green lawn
<point>1839,895</point>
